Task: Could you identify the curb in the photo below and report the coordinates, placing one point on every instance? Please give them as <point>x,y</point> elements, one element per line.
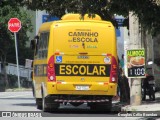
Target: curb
<point>145,105</point>
<point>18,89</point>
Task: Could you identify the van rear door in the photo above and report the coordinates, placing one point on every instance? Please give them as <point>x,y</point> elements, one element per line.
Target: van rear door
<point>83,53</point>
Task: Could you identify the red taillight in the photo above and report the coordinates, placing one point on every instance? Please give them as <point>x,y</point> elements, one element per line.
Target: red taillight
<point>113,72</point>
<point>51,70</point>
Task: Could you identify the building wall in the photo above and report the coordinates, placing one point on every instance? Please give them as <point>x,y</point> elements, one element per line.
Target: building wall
<point>23,71</point>
<point>38,19</point>
<point>122,34</point>
<point>33,21</point>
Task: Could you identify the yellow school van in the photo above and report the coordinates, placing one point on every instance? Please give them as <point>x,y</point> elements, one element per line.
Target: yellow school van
<point>75,62</point>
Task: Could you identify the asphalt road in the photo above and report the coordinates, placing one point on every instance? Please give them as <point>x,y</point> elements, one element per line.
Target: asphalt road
<point>21,105</point>
<point>24,101</point>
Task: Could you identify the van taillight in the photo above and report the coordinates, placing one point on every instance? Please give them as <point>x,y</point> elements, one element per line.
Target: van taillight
<point>113,72</point>
<point>51,70</point>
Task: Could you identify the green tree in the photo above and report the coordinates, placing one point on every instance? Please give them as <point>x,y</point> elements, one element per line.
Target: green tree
<point>7,44</point>
<point>147,10</point>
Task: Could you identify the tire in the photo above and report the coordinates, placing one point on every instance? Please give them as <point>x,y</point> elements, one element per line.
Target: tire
<point>33,90</point>
<point>39,103</point>
<point>49,106</point>
<point>44,106</point>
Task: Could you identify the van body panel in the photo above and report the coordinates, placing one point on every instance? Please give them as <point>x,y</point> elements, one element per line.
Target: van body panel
<point>88,37</point>
<point>82,52</point>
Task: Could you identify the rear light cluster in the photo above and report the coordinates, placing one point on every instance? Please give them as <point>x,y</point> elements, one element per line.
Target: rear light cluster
<point>114,71</point>
<point>51,70</point>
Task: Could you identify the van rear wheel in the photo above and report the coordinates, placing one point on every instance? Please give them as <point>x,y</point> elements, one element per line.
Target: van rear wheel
<point>44,106</point>
<point>48,105</point>
<point>39,103</point>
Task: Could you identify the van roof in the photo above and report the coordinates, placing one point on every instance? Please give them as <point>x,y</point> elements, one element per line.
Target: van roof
<point>72,17</point>
<point>45,26</point>
<point>79,17</point>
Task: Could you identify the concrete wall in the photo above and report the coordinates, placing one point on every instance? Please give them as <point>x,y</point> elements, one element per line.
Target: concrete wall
<point>23,72</point>
<point>39,19</point>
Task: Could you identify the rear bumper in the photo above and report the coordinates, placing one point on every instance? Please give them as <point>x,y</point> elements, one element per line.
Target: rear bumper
<point>78,98</point>
<point>111,91</point>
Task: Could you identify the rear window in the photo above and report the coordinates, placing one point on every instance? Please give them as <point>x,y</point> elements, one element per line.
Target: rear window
<point>84,37</point>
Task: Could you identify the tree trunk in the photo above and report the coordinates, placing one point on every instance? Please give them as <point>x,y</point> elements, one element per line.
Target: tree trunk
<point>135,43</point>
<point>5,75</point>
<point>4,71</point>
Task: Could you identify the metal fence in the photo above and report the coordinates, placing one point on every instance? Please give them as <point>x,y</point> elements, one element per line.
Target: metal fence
<point>23,72</point>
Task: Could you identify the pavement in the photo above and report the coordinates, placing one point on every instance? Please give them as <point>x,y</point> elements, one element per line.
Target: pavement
<point>145,105</point>
<point>118,106</point>
<point>147,110</point>
<point>18,89</point>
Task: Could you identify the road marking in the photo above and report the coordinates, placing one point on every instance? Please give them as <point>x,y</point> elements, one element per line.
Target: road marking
<point>4,93</point>
<point>14,96</point>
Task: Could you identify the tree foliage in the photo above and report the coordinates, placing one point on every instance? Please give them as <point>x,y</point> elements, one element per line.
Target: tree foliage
<point>10,9</point>
<point>7,41</point>
<point>147,10</point>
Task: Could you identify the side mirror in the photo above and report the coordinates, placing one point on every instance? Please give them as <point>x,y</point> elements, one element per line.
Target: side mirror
<point>34,42</point>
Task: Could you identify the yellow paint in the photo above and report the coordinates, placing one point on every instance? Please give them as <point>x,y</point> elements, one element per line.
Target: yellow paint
<point>81,44</point>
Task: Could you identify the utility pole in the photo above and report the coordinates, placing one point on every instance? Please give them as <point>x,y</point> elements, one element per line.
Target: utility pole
<point>158,2</point>
<point>14,25</point>
<point>134,43</point>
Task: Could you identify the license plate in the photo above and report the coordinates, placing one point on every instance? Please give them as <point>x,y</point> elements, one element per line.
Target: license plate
<point>82,87</point>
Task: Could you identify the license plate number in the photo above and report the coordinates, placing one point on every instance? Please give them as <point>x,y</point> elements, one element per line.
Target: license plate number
<point>82,87</point>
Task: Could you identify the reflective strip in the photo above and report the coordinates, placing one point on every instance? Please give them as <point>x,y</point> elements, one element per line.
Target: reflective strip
<point>85,101</point>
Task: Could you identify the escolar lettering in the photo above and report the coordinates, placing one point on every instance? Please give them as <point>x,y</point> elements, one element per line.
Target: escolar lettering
<point>85,70</point>
<point>78,39</point>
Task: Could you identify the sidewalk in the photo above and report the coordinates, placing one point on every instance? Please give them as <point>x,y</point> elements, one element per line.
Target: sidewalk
<point>145,106</point>
<point>18,89</point>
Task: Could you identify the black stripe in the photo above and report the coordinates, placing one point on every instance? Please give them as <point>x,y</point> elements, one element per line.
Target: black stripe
<point>98,70</point>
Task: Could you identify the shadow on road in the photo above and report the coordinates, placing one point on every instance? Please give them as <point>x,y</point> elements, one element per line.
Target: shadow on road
<point>25,104</point>
<point>72,112</point>
<point>18,98</point>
